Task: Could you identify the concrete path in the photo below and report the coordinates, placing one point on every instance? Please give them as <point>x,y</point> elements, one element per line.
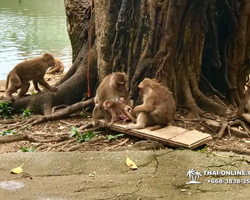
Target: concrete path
<point>104,175</point>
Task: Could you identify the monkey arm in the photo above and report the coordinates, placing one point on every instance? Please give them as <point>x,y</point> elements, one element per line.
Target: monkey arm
<point>127,114</point>
<point>46,85</point>
<point>147,106</point>
<point>52,70</point>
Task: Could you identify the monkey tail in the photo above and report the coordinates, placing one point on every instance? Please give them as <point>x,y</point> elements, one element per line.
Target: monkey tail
<point>7,82</point>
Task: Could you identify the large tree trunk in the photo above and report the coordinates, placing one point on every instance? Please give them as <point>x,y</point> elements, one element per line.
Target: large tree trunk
<point>194,47</point>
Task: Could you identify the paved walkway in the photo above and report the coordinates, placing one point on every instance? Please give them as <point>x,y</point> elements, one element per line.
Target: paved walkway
<point>104,175</point>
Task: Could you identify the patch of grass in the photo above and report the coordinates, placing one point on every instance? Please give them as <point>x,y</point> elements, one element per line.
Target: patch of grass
<point>82,137</point>
<point>6,111</point>
<point>8,132</point>
<point>25,149</point>
<point>114,137</point>
<point>27,113</point>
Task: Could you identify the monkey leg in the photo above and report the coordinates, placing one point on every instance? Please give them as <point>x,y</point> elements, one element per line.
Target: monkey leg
<point>24,88</point>
<point>46,85</point>
<point>36,86</point>
<point>14,85</point>
<point>143,120</point>
<point>100,113</point>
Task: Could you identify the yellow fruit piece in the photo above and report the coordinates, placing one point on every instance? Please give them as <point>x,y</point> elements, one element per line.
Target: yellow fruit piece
<point>17,170</point>
<point>130,163</point>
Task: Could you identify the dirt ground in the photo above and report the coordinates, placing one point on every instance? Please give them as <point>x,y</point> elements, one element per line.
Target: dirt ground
<point>55,135</point>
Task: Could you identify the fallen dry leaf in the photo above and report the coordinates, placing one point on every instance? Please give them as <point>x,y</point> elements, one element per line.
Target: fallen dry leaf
<point>130,163</point>
<point>17,170</point>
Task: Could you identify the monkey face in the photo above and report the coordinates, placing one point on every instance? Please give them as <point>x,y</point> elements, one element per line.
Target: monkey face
<point>51,62</point>
<point>120,87</point>
<point>49,59</point>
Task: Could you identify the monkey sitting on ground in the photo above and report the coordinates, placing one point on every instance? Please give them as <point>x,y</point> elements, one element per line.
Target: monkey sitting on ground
<point>118,110</point>
<point>112,87</point>
<point>158,107</point>
<point>245,105</point>
<point>57,68</point>
<point>26,71</point>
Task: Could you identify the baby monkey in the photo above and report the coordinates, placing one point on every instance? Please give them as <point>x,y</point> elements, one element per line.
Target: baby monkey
<point>118,110</point>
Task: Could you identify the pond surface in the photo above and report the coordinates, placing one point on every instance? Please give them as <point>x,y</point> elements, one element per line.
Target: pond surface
<point>29,28</point>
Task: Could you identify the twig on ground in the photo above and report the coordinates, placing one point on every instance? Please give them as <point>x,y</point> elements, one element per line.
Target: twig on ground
<point>118,145</point>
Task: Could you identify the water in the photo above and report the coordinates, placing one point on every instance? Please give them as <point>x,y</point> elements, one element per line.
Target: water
<point>29,28</point>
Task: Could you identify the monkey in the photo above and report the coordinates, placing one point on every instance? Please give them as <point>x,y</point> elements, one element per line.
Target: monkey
<point>26,71</point>
<point>244,105</point>
<point>112,87</point>
<point>118,110</point>
<point>158,108</point>
<point>58,67</point>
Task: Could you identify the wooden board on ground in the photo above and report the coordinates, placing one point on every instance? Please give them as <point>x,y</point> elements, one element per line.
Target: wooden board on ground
<point>171,135</point>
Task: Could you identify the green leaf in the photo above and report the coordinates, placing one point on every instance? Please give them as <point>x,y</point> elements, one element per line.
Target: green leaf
<point>27,112</point>
<point>6,111</point>
<point>73,131</point>
<point>8,132</point>
<point>25,149</point>
<point>114,137</point>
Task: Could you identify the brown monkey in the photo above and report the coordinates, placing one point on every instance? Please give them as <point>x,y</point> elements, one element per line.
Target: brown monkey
<point>118,110</point>
<point>112,87</point>
<point>245,105</point>
<point>26,71</point>
<point>158,106</point>
<point>58,67</point>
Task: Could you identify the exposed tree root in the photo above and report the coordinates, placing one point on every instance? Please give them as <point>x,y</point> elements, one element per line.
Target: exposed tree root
<point>228,125</point>
<point>17,138</point>
<point>58,115</point>
<point>26,136</point>
<point>208,84</point>
<point>233,149</point>
<point>9,121</point>
<point>241,123</point>
<point>222,130</point>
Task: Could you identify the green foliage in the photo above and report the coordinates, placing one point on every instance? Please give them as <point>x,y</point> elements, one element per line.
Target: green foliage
<point>8,132</point>
<point>73,131</point>
<point>203,150</point>
<point>85,114</point>
<point>82,137</point>
<point>33,93</point>
<point>114,137</point>
<point>25,149</point>
<point>6,110</point>
<point>27,113</point>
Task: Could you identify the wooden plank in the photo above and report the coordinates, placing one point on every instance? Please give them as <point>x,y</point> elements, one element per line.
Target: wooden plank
<point>191,139</point>
<point>171,135</point>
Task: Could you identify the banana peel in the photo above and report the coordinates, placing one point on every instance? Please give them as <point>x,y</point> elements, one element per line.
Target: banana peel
<point>17,170</point>
<point>130,163</point>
